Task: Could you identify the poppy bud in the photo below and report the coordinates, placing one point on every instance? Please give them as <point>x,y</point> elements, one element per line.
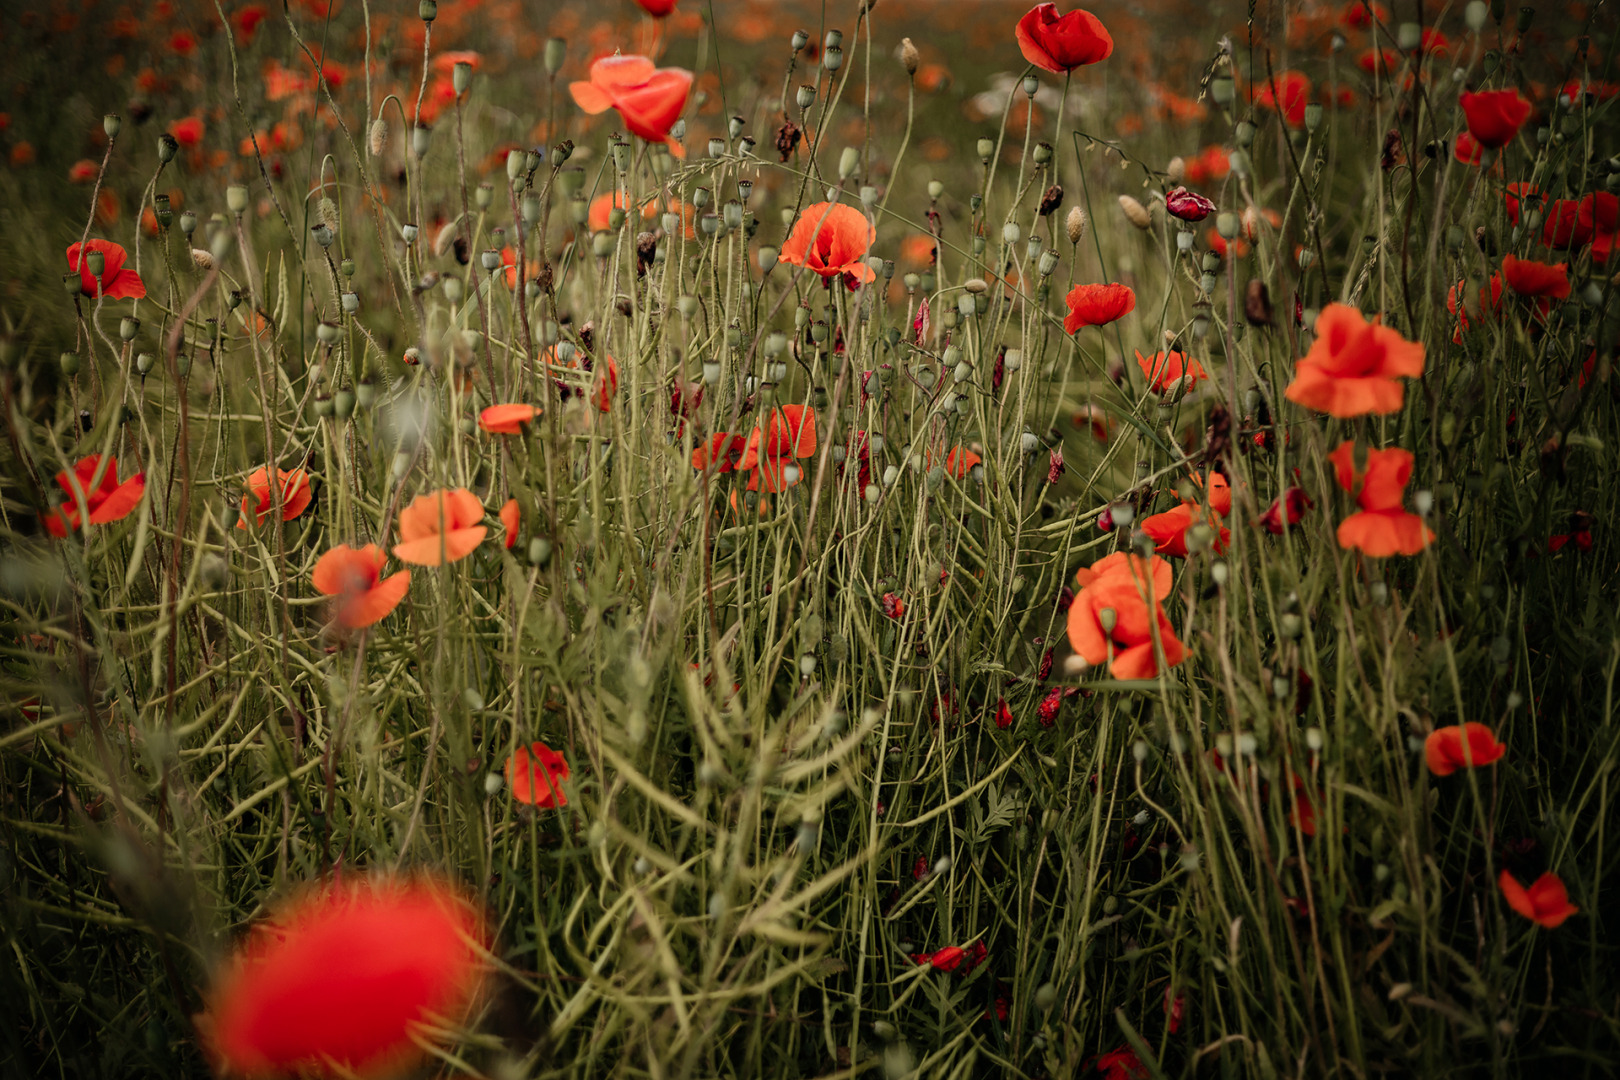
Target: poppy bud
<point>1135,212</point>
<point>112,123</point>
<point>800,40</point>
<point>420,138</point>
<point>1076,224</point>
<point>1226,225</point>
<point>407,232</point>
<point>833,58</point>
<point>908,56</point>
<point>69,363</point>
<point>1176,171</point>
<point>556,52</point>
<point>168,146</point>
<point>1526,15</point>
<point>378,138</point>
<point>848,161</point>
<point>1313,116</point>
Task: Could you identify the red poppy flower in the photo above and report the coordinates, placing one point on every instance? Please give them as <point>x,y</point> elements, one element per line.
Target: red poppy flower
<point>118,282</point>
<point>1379,60</point>
<point>1110,621</point>
<point>183,43</point>
<point>246,20</point>
<point>1490,303</point>
<point>536,773</point>
<point>1168,530</point>
<point>1061,43</point>
<point>1293,90</point>
<point>1467,149</point>
<point>771,451</point>
<point>83,171</point>
<point>189,131</point>
<point>961,461</point>
<point>1122,1064</point>
<point>604,385</point>
<point>345,979</point>
<point>658,9</point>
<point>1359,16</point>
<point>894,607</point>
<point>1352,366</point>
<point>1097,305</point>
<point>1133,568</point>
<point>832,239</point>
<point>351,576</point>
<point>1530,278</point>
<point>1516,192</point>
<point>1208,165</point>
<point>1167,371</point>
<point>648,99</point>
<point>1495,116</point>
<point>507,419</point>
<point>107,501</point>
<point>1187,205</point>
<point>1288,508</point>
<point>1545,902</point>
<point>722,449</point>
<point>443,526</point>
<point>511,519</point>
<point>295,496</point>
<point>1382,528</point>
<point>1457,746</point>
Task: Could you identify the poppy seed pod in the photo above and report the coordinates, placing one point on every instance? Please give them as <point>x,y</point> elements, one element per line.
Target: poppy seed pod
<point>806,96</point>
<point>1243,134</point>
<point>833,58</point>
<point>767,259</point>
<point>168,146</point>
<point>490,260</point>
<point>556,52</point>
<point>1135,212</point>
<point>848,162</point>
<point>112,123</point>
<point>69,363</point>
<point>1313,116</point>
<point>421,136</point>
<point>986,147</point>
<point>408,232</point>
<point>427,10</point>
<point>128,327</point>
<point>1223,90</point>
<point>236,198</point>
<point>800,40</point>
<point>1226,225</point>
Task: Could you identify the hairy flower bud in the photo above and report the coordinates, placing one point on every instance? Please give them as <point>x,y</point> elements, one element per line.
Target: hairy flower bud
<point>1076,224</point>
<point>909,57</point>
<point>1135,212</point>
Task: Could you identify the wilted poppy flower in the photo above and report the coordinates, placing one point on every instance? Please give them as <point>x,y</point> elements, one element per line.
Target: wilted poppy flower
<point>1545,902</point>
<point>351,577</point>
<point>107,501</point>
<point>1097,305</point>
<point>1130,567</point>
<point>507,419</point>
<point>1292,89</point>
<point>1286,510</point>
<point>1530,278</point>
<point>511,519</point>
<point>118,282</point>
<point>1061,43</point>
<point>1458,746</point>
<point>295,496</point>
<point>648,99</point>
<point>1109,621</point>
<point>1495,116</point>
<point>341,980</point>
<point>445,525</point>
<point>1187,205</point>
<point>536,773</point>
<point>832,239</point>
<point>1352,366</point>
<point>1382,528</point>
<point>790,434</point>
<point>1167,371</point>
<point>894,607</point>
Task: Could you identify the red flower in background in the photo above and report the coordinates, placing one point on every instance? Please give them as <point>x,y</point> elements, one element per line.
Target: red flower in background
<point>1208,165</point>
<point>771,451</point>
<point>1286,511</point>
<point>1061,43</point>
<point>1545,902</point>
<point>83,171</point>
<point>658,9</point>
<point>507,419</point>
<point>832,239</point>
<point>246,21</point>
<point>107,501</point>
<point>1122,1064</point>
<point>118,282</point>
<point>647,98</point>
<point>352,577</point>
<point>1166,371</point>
<point>1358,15</point>
<point>536,773</point>
<point>1530,278</point>
<point>1382,528</point>
<point>1467,150</point>
<point>1495,116</point>
<point>295,496</point>
<point>1459,746</point>
<point>1289,95</point>
<point>1097,305</point>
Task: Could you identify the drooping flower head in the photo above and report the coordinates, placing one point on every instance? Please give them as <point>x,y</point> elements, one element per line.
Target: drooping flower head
<point>649,99</point>
<point>1062,43</point>
<point>1382,528</point>
<point>118,282</point>
<point>1352,366</point>
<point>107,501</point>
<point>442,526</point>
<point>1097,305</point>
<point>832,239</point>
<point>1187,205</point>
<point>353,578</point>
<point>295,496</point>
<point>535,773</point>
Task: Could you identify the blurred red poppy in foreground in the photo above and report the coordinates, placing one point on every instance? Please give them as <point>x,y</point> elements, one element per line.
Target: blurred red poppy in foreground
<point>445,525</point>
<point>1545,902</point>
<point>351,576</point>
<point>1097,305</point>
<point>832,239</point>
<point>507,419</point>
<point>1061,43</point>
<point>107,501</point>
<point>295,496</point>
<point>1352,366</point>
<point>1382,528</point>
<point>511,521</point>
<point>1494,116</point>
<point>342,978</point>
<point>647,98</point>
<point>536,773</point>
<point>118,282</point>
<point>1458,746</point>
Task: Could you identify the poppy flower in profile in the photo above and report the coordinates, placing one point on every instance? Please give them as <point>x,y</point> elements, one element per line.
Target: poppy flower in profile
<point>511,519</point>
<point>1382,528</point>
<point>118,282</point>
<point>1495,116</point>
<point>1530,278</point>
<point>1133,568</point>
<point>1061,43</point>
<point>1286,511</point>
<point>771,451</point>
<point>443,526</point>
<point>536,773</point>
<point>1167,371</point>
<point>1187,205</point>
<point>961,461</point>
<point>1545,902</point>
<point>507,419</point>
<point>345,979</point>
<point>658,9</point>
<point>1458,746</point>
<point>295,496</point>
<point>1288,93</point>
<point>353,578</point>
<point>832,239</point>
<point>1352,366</point>
<point>649,99</point>
<point>1097,305</point>
<point>108,501</point>
<point>1110,622</point>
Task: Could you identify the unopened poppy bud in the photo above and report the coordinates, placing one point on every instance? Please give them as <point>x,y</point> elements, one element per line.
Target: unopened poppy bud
<point>909,58</point>
<point>365,393</point>
<point>555,53</point>
<point>69,363</point>
<point>236,198</point>
<point>378,138</point>
<point>848,162</point>
<point>1526,15</point>
<point>833,58</point>
<point>767,258</point>
<point>128,327</point>
<point>1075,224</point>
<point>869,196</point>
<point>168,146</point>
<point>539,551</point>
<point>112,123</point>
<point>986,147</point>
<point>1135,212</point>
<point>1313,116</point>
<point>800,40</point>
<point>427,10</point>
<point>327,333</point>
<point>343,403</point>
<point>1226,225</point>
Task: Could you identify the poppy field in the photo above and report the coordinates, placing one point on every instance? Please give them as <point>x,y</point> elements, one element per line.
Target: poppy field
<point>663,538</point>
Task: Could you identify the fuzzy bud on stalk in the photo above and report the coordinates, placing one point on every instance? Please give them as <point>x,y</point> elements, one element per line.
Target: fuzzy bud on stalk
<point>379,136</point>
<point>1135,212</point>
<point>909,58</point>
<point>1076,224</point>
<point>1176,171</point>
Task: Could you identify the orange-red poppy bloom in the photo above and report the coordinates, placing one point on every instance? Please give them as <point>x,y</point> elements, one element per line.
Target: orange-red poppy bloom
<point>1168,530</point>
<point>1292,89</point>
<point>790,434</point>
<point>107,501</point>
<point>1494,116</point>
<point>83,171</point>
<point>1381,528</point>
<point>353,578</point>
<point>1545,902</point>
<point>1353,364</point>
<point>1285,511</point>
<point>1110,622</point>
<point>188,132</point>
<point>1166,371</point>
<point>722,450</point>
<point>344,979</point>
<point>1467,149</point>
<point>1061,43</point>
<point>649,99</point>
<point>118,282</point>
<point>1130,567</point>
<point>1490,303</point>
<point>1457,746</point>
<point>1097,305</point>
<point>1527,277</point>
<point>295,496</point>
<point>511,519</point>
<point>536,773</point>
<point>507,419</point>
<point>960,461</point>
<point>443,526</point>
<point>832,239</point>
